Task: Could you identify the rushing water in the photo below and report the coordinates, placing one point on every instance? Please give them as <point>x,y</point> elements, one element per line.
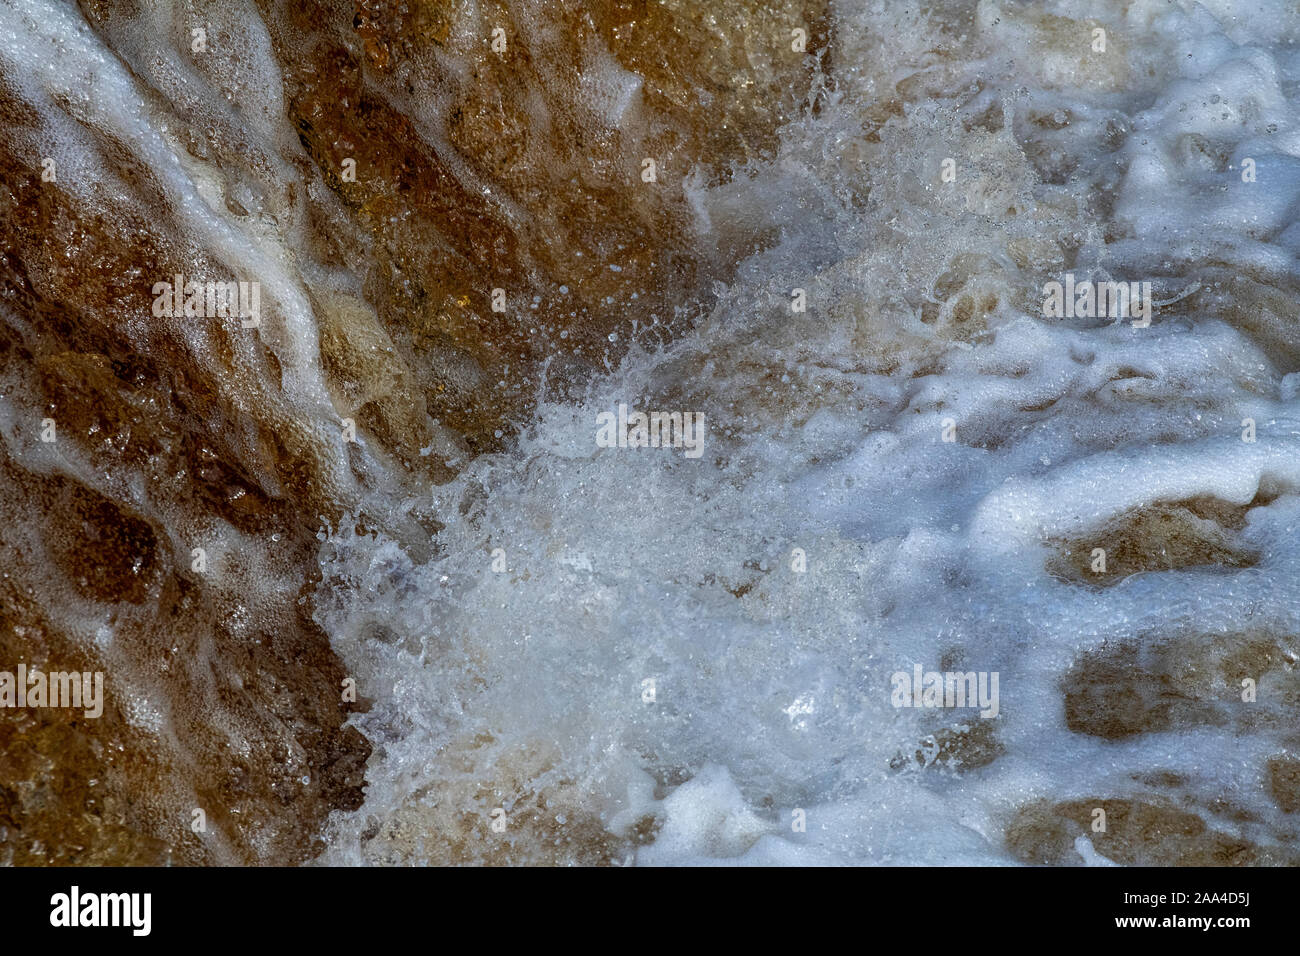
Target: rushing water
<point>573,653</point>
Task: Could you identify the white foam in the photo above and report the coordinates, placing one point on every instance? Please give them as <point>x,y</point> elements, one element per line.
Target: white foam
<point>771,685</point>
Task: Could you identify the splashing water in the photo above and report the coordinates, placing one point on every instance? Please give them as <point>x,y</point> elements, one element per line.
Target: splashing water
<point>676,660</point>
<point>839,265</point>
